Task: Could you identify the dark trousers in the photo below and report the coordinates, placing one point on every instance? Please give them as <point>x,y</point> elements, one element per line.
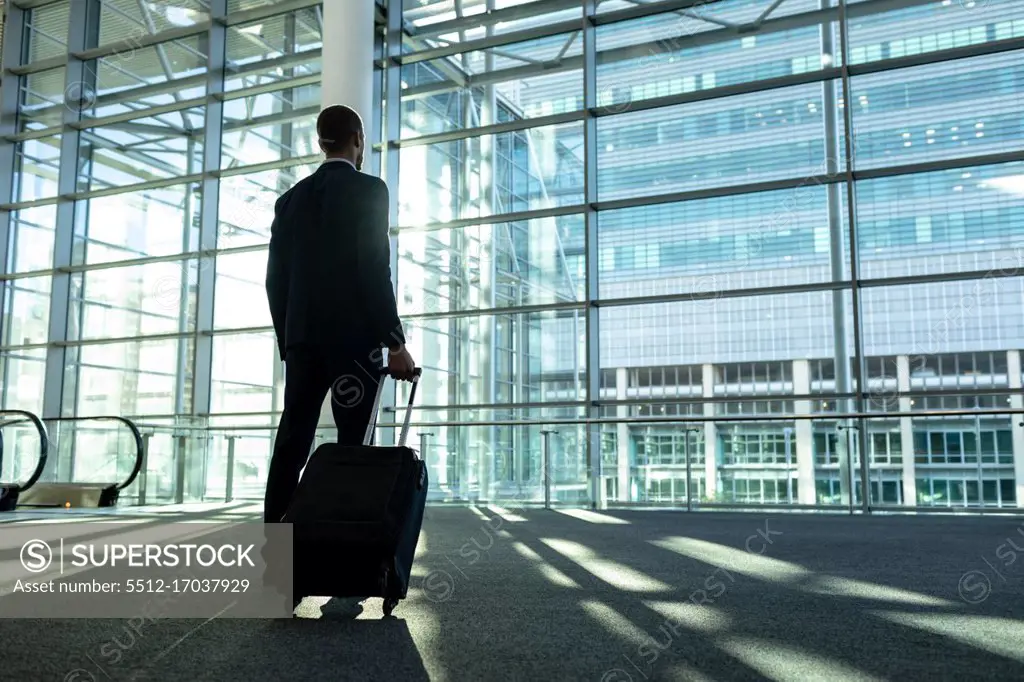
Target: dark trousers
<point>310,372</point>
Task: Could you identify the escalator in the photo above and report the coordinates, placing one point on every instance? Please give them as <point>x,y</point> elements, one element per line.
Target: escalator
<point>36,494</point>
<point>11,492</point>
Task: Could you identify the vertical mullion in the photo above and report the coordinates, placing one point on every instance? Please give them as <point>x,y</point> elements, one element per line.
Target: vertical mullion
<point>10,92</point>
<point>378,126</point>
<point>393,133</point>
<point>592,371</point>
<point>209,211</point>
<point>83,33</point>
<point>860,375</point>
<point>834,157</point>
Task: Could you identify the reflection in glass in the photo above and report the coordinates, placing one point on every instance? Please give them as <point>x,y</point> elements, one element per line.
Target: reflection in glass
<point>46,31</point>
<point>526,170</point>
<point>119,20</point>
<point>143,77</point>
<point>151,222</point>
<point>36,167</point>
<point>23,375</point>
<point>243,373</point>
<point>246,209</point>
<point>132,378</point>
<point>31,238</point>
<point>269,127</point>
<point>138,300</point>
<point>42,102</point>
<point>154,148</point>
<point>500,90</point>
<point>499,359</point>
<point>531,262</point>
<point>26,318</point>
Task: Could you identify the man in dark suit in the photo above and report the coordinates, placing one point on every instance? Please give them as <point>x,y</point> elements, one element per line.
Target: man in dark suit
<point>332,301</point>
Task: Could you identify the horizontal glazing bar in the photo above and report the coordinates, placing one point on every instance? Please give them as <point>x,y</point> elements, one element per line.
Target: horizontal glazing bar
<point>494,16</point>
<point>1012,269</point>
<point>38,66</point>
<point>716,419</point>
<point>533,33</point>
<point>495,129</point>
<point>840,416</point>
<point>270,165</point>
<point>108,265</point>
<point>181,105</point>
<point>274,9</point>
<point>143,40</point>
<point>313,79</point>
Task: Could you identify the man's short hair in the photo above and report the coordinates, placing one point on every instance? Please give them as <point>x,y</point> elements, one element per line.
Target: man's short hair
<point>336,126</point>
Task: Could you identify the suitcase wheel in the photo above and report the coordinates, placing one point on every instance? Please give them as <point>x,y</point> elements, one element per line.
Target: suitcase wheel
<point>389,605</point>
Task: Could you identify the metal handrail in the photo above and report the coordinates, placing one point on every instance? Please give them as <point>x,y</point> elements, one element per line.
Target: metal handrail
<point>140,449</point>
<point>570,421</point>
<point>44,445</point>
<point>717,399</point>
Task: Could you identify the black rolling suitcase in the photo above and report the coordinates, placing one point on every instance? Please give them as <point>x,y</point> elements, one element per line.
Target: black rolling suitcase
<point>356,517</point>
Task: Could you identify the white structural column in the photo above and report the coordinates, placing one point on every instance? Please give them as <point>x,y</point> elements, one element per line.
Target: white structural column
<point>348,57</point>
<point>1013,371</point>
<point>622,439</point>
<point>806,489</point>
<point>906,432</point>
<point>347,78</point>
<point>710,434</point>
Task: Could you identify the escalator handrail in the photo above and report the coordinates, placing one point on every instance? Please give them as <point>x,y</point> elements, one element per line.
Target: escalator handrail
<point>140,448</point>
<point>44,446</point>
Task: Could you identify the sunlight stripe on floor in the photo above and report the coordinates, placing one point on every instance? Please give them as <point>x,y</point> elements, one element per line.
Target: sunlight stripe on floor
<point>735,560</point>
<point>786,663</point>
<point>592,516</point>
<point>615,623</point>
<point>421,545</point>
<point>479,512</point>
<point>698,617</point>
<point>505,514</point>
<point>859,589</point>
<point>766,568</point>
<point>1000,636</point>
<point>641,657</point>
<point>615,574</point>
<point>553,575</point>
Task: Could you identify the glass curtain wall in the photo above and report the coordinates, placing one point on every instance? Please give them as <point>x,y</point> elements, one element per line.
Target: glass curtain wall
<point>148,143</point>
<point>687,223</point>
<point>692,222</point>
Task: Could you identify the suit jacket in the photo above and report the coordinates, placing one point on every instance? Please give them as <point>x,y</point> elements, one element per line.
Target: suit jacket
<point>329,267</point>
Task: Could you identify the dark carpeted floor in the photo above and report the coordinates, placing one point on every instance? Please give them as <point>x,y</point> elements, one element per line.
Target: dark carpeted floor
<point>614,597</point>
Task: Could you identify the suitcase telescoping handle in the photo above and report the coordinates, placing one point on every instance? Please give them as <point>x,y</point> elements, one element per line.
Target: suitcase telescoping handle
<point>384,373</point>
